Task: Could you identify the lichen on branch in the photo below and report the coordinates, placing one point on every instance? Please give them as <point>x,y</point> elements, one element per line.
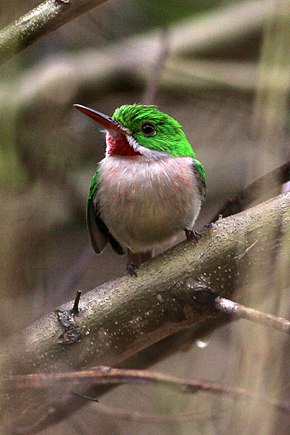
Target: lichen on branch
<point>41,20</point>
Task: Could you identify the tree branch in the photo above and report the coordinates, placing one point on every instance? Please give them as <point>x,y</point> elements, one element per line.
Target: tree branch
<point>41,20</point>
<point>124,316</point>
<point>207,296</point>
<point>114,376</point>
<point>240,311</point>
<point>269,183</point>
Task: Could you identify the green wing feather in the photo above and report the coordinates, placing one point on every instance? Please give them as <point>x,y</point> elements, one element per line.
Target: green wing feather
<point>98,231</point>
<point>199,171</point>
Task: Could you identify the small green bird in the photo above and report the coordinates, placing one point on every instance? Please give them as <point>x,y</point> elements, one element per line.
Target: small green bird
<point>148,187</point>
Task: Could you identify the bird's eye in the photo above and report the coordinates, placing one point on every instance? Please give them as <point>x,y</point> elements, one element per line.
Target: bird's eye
<point>148,129</point>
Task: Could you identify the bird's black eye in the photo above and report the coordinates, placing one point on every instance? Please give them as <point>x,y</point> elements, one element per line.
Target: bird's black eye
<point>148,129</point>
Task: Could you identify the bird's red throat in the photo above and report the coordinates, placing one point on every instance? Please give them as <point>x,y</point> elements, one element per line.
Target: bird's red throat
<point>117,144</point>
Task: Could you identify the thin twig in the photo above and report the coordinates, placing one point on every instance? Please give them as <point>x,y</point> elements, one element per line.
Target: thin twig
<point>107,375</point>
<point>238,310</point>
<point>205,297</point>
<point>75,308</point>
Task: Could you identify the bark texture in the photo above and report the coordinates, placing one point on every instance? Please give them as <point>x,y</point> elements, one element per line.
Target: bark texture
<point>41,20</point>
<point>126,315</point>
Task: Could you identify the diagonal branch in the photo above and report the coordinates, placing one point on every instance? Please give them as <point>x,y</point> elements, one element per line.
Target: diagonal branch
<point>41,20</point>
<point>126,315</point>
<point>270,182</point>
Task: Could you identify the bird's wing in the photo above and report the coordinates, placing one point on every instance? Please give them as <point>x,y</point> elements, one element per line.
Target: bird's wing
<point>199,171</point>
<point>98,231</point>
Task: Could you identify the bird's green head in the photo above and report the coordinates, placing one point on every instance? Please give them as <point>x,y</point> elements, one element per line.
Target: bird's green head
<point>136,129</point>
<point>152,129</point>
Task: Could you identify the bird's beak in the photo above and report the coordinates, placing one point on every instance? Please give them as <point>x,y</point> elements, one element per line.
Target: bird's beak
<point>106,121</point>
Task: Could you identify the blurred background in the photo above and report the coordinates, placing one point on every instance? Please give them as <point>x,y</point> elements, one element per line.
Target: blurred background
<point>221,68</point>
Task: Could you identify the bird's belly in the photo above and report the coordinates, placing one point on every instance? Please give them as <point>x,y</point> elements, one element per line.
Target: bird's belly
<point>145,202</point>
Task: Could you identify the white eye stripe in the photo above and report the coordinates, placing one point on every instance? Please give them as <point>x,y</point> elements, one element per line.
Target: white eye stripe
<point>151,154</point>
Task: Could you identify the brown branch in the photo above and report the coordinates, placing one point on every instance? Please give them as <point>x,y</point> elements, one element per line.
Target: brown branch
<point>41,20</point>
<point>114,376</point>
<point>253,191</point>
<point>106,375</point>
<point>124,316</point>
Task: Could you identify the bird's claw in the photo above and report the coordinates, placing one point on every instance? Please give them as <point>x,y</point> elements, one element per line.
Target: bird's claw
<point>132,268</point>
<point>192,235</point>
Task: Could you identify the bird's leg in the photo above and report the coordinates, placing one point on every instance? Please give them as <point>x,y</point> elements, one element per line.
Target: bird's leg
<point>133,262</point>
<point>145,256</point>
<point>134,259</point>
<point>192,235</point>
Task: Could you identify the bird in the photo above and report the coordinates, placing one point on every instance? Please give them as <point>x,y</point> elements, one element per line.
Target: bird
<point>148,187</point>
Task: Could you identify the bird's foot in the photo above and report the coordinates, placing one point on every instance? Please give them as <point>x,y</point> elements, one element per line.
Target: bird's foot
<point>135,259</point>
<point>192,235</point>
<point>132,268</point>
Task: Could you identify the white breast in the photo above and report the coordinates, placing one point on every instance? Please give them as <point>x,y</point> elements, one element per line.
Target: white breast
<point>144,202</point>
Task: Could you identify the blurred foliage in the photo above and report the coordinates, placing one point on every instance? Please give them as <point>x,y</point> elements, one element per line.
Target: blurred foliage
<point>12,172</point>
<point>49,132</point>
<point>161,13</point>
<point>104,24</point>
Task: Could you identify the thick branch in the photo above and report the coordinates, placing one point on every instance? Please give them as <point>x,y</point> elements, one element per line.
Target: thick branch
<point>124,316</point>
<point>46,17</point>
